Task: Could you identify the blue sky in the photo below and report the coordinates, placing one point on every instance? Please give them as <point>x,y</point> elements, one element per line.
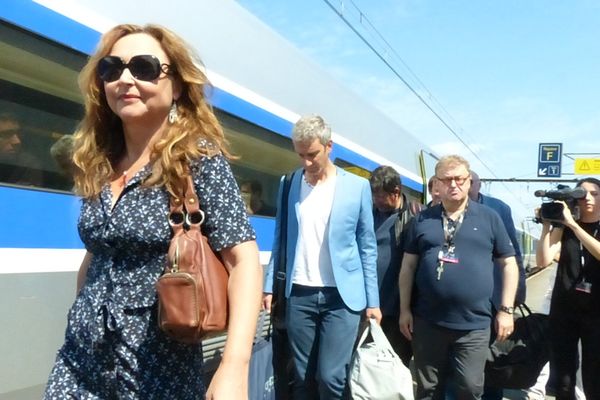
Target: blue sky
<point>511,74</point>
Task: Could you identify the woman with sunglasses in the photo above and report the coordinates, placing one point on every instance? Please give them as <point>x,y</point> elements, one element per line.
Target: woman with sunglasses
<point>147,125</point>
<point>575,303</point>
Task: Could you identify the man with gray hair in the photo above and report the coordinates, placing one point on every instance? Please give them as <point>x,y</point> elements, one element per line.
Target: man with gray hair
<point>331,264</point>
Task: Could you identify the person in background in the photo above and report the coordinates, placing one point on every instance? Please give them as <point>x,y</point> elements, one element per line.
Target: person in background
<point>392,216</point>
<point>62,153</point>
<point>575,304</point>
<point>17,166</point>
<point>10,134</point>
<point>538,390</point>
<point>446,282</point>
<point>505,214</point>
<point>252,194</point>
<point>433,192</point>
<point>147,127</point>
<point>331,269</point>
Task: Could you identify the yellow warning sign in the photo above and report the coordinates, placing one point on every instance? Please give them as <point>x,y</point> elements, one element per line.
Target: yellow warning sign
<point>587,166</point>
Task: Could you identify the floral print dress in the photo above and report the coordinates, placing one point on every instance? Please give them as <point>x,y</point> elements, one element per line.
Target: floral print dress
<point>113,348</point>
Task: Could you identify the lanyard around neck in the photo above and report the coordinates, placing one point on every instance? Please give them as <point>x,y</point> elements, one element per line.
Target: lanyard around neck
<point>451,227</point>
<point>581,248</point>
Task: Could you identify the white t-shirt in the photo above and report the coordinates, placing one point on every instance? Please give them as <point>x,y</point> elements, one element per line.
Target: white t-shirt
<point>312,262</point>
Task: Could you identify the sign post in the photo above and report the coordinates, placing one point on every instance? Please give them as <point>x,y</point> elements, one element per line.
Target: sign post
<point>549,160</point>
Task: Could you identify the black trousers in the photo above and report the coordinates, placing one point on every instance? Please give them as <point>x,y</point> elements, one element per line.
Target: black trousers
<point>569,324</point>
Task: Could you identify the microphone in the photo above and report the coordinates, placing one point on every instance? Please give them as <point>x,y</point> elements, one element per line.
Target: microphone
<point>563,193</point>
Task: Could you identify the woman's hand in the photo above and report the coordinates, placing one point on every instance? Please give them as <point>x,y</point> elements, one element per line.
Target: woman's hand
<point>230,382</point>
<point>567,215</point>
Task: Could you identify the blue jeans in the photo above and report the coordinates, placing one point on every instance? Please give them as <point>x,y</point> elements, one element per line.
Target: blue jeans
<point>322,331</point>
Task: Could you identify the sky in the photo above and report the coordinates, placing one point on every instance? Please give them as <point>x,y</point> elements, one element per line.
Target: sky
<point>505,75</point>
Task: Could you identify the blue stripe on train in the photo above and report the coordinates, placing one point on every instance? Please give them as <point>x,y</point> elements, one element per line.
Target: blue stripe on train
<point>35,219</point>
<point>50,24</point>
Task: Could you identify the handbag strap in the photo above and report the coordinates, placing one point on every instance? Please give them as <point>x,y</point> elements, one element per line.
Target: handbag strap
<point>283,207</point>
<point>185,207</point>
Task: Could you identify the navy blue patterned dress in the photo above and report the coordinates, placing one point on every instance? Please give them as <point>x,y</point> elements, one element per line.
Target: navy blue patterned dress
<point>113,348</point>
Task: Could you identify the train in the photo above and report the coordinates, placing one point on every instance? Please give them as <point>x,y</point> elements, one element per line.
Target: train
<point>260,86</point>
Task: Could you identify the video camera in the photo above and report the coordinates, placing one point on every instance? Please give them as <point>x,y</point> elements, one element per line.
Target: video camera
<point>553,211</point>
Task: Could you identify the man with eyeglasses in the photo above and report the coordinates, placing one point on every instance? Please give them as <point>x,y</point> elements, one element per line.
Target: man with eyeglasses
<point>446,282</point>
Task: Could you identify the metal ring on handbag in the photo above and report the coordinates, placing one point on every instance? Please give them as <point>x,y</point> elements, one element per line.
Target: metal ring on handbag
<point>195,218</point>
<point>176,218</point>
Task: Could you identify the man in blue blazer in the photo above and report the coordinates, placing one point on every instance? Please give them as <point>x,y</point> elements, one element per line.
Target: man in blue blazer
<point>331,267</point>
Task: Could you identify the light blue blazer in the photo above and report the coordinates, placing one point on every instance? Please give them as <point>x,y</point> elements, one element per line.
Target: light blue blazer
<point>352,242</point>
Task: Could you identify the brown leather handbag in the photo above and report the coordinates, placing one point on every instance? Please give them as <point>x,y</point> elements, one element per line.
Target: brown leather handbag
<point>192,292</point>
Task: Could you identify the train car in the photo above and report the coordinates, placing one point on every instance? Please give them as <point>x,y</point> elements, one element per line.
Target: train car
<point>261,84</point>
<point>528,244</point>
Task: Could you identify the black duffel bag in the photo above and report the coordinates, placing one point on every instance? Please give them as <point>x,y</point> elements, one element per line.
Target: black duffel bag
<point>516,362</point>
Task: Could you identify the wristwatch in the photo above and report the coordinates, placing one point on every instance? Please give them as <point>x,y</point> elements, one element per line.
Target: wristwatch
<point>506,309</point>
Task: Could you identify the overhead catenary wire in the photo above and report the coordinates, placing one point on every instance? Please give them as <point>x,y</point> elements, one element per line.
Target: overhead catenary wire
<point>341,12</point>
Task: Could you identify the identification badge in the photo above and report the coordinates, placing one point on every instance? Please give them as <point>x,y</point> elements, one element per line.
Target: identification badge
<point>447,255</point>
<point>584,287</point>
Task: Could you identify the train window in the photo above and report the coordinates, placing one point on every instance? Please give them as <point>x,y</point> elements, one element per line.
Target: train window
<point>411,194</point>
<point>352,168</point>
<point>39,104</point>
<point>263,157</point>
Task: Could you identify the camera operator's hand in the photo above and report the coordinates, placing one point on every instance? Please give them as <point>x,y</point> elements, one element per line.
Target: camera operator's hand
<point>567,215</point>
<point>537,212</point>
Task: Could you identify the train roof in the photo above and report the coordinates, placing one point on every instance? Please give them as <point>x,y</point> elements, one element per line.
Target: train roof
<point>255,62</point>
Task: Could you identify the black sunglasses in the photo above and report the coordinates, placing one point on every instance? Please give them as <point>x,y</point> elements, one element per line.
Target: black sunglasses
<point>143,67</point>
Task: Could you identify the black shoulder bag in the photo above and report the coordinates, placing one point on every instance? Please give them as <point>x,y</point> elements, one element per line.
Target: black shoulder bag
<point>279,280</point>
<point>516,362</point>
<point>282,360</point>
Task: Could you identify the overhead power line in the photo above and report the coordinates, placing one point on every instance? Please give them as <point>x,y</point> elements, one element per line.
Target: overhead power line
<point>381,55</point>
<point>387,48</point>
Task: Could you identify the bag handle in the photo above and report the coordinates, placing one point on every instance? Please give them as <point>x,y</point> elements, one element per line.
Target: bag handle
<point>185,208</point>
<point>377,334</point>
<point>529,326</point>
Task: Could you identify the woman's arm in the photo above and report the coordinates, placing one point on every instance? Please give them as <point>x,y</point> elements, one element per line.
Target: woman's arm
<point>588,241</point>
<point>82,273</point>
<point>549,244</point>
<point>244,292</point>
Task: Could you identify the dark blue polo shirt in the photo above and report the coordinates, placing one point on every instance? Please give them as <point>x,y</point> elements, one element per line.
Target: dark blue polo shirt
<point>461,299</point>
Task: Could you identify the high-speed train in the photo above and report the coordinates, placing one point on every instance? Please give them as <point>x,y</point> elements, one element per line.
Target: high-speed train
<point>261,85</point>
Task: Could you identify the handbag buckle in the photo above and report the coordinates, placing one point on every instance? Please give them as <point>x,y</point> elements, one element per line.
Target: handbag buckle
<point>280,276</point>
